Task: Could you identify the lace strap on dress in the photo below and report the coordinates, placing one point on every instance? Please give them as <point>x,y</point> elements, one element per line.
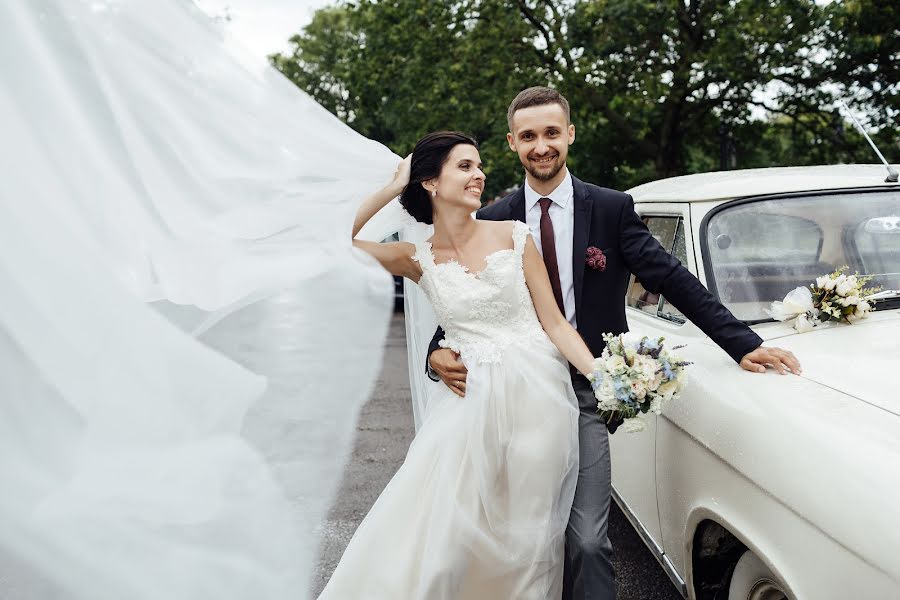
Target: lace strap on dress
<point>519,235</point>
<point>423,255</point>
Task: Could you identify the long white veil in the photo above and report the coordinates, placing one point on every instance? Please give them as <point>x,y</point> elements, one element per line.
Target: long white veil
<point>420,319</point>
<point>186,333</point>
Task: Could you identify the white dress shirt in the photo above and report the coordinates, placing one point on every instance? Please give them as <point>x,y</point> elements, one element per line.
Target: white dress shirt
<point>562,215</point>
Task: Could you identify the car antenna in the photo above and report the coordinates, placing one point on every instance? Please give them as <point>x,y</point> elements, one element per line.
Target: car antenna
<point>892,172</point>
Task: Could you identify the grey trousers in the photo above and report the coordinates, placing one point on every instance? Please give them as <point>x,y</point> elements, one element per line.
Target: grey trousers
<point>588,572</point>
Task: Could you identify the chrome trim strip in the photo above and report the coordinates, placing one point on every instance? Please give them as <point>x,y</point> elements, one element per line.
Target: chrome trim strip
<point>651,544</point>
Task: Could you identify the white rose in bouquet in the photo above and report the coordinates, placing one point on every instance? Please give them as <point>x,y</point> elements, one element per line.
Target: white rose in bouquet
<point>667,390</point>
<point>648,365</point>
<point>616,364</point>
<point>843,288</point>
<point>639,389</point>
<point>655,382</point>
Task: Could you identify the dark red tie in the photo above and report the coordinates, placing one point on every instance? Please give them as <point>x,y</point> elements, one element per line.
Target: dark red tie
<point>548,245</point>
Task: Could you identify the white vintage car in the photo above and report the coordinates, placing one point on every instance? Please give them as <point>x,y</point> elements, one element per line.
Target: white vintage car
<point>765,487</point>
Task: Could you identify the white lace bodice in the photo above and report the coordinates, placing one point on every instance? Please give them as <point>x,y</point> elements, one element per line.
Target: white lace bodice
<point>483,313</point>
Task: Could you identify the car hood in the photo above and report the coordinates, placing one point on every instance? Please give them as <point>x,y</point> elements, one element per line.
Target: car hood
<point>825,444</point>
<point>859,360</point>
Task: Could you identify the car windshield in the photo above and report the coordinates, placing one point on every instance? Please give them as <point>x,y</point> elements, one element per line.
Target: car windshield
<point>760,250</point>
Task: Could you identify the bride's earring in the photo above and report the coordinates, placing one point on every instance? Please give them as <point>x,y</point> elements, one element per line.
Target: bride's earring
<point>434,193</point>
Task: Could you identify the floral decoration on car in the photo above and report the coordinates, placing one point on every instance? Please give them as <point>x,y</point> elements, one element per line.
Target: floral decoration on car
<point>635,374</point>
<point>595,258</point>
<point>837,297</point>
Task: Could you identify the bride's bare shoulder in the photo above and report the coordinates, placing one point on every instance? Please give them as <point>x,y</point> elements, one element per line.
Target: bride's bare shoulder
<point>501,231</point>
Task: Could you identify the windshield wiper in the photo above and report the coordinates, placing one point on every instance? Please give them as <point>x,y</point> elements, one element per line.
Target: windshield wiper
<point>885,299</point>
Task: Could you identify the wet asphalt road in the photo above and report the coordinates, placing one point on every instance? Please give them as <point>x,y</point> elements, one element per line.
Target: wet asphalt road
<point>384,433</point>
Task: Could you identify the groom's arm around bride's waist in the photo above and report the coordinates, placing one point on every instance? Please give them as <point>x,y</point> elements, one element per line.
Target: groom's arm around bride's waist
<point>434,345</point>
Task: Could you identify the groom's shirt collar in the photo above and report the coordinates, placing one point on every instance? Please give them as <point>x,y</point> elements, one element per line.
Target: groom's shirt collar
<point>561,196</point>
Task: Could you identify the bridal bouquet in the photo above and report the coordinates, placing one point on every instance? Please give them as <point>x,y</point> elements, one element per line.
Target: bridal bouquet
<point>635,375</point>
<point>834,297</point>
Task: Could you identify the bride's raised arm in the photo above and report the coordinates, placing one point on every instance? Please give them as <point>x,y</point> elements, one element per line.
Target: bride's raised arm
<point>560,331</point>
<point>396,257</point>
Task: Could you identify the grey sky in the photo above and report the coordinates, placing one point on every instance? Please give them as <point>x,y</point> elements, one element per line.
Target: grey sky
<point>264,26</point>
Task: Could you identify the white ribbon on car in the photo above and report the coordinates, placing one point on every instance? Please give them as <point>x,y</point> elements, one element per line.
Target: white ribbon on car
<point>797,305</point>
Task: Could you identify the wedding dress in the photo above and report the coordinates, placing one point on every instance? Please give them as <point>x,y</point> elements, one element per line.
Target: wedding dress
<point>478,510</point>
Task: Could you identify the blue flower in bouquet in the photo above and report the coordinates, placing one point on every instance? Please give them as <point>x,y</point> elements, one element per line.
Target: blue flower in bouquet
<point>596,379</point>
<point>667,369</point>
<point>654,346</point>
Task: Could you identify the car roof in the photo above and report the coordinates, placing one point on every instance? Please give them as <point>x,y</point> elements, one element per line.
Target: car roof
<point>724,185</point>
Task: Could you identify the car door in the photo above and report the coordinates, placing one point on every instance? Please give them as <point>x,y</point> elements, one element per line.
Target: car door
<point>634,454</point>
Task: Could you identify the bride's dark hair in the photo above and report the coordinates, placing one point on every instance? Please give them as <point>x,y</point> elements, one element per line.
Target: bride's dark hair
<point>428,157</point>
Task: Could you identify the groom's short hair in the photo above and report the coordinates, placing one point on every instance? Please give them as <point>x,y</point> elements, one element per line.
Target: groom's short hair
<point>536,96</point>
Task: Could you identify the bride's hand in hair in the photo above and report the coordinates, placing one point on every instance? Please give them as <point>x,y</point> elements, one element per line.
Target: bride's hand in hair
<point>382,197</point>
<point>401,175</point>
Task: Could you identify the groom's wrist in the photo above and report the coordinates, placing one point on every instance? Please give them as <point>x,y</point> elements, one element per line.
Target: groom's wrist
<point>432,374</point>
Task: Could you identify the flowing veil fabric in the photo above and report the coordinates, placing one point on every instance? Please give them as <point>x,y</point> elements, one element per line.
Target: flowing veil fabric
<point>186,333</point>
<point>420,325</point>
<point>420,319</point>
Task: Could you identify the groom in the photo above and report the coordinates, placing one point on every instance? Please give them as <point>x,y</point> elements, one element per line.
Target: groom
<point>566,217</point>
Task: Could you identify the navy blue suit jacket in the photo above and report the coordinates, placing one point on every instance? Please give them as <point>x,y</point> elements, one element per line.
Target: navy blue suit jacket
<point>605,219</point>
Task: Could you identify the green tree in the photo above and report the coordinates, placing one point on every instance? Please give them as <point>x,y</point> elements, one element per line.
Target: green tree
<point>864,36</point>
<point>657,88</point>
<point>398,69</point>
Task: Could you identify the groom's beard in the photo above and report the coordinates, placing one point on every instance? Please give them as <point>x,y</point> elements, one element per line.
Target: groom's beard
<point>546,172</point>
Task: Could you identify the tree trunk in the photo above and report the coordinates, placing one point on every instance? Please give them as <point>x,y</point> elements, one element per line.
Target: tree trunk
<point>667,161</point>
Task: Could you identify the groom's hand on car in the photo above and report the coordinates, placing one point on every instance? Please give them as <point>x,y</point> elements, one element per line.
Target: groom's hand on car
<point>782,361</point>
<point>450,369</point>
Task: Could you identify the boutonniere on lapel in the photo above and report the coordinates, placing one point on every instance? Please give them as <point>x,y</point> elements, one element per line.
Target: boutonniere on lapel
<point>595,258</point>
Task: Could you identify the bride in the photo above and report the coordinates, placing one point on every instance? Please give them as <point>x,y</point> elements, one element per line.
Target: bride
<point>479,508</point>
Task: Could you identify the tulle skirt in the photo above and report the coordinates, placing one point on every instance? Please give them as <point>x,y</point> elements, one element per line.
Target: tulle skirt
<point>478,510</point>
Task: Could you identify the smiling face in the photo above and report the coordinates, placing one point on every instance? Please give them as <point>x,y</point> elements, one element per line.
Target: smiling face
<point>461,181</point>
<point>541,135</point>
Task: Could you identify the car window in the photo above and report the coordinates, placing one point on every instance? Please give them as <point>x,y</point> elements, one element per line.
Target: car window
<point>665,230</point>
<point>875,243</point>
<point>757,251</point>
<point>765,238</point>
<point>667,310</point>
